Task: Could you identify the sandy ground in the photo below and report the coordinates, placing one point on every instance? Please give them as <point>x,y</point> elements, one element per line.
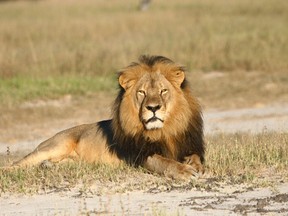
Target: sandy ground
<point>226,201</point>
<point>255,120</point>
<point>223,200</point>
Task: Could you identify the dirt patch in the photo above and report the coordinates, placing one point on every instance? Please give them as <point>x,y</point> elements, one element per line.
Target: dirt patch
<point>224,201</point>
<point>255,120</point>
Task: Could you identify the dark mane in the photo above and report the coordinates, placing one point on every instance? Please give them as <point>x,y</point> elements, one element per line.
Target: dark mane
<point>152,60</point>
<point>135,150</point>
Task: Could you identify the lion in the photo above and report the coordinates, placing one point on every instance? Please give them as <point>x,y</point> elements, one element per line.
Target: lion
<point>156,123</point>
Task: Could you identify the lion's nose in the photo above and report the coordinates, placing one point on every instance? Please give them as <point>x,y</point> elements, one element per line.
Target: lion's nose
<point>153,108</point>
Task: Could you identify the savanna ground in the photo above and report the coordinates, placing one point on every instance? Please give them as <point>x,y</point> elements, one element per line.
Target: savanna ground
<point>57,69</point>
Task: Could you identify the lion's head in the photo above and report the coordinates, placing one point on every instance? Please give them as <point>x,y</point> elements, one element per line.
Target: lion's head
<point>155,105</point>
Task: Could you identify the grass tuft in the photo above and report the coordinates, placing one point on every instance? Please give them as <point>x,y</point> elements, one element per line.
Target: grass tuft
<point>245,157</point>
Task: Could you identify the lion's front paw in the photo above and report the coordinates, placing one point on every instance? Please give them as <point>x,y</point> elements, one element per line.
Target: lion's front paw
<point>181,172</point>
<point>195,162</point>
<point>171,168</point>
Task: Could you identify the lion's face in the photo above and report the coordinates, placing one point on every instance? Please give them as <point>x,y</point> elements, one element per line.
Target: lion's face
<point>153,99</point>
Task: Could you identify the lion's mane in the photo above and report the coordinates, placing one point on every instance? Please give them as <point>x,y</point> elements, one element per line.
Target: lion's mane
<point>182,136</point>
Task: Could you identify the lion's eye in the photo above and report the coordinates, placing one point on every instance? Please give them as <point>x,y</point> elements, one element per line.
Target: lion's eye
<point>164,91</point>
<point>141,92</point>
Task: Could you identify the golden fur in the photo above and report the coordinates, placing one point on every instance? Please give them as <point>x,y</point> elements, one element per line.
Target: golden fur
<point>156,123</point>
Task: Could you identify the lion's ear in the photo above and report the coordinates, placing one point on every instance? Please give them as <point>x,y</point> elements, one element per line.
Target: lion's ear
<point>177,77</point>
<point>125,81</point>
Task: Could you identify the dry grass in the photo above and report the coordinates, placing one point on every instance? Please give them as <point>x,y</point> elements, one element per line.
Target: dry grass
<point>98,37</point>
<point>248,157</point>
<point>48,41</point>
<point>236,158</point>
<point>238,89</point>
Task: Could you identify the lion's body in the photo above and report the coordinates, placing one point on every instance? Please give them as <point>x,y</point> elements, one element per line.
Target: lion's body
<point>156,123</point>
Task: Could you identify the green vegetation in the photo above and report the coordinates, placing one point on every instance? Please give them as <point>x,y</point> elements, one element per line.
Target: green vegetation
<point>49,41</point>
<point>235,158</point>
<point>19,89</point>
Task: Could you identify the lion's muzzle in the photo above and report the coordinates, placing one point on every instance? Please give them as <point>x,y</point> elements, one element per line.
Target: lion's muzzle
<point>153,116</point>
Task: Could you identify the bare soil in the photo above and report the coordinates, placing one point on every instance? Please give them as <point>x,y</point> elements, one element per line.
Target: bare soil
<point>22,129</point>
<point>222,201</point>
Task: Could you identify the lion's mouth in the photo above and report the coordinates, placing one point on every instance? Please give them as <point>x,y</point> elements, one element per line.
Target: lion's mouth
<point>154,123</point>
<point>154,119</point>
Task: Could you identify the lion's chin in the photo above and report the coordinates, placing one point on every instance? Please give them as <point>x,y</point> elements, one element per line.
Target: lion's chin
<point>153,125</point>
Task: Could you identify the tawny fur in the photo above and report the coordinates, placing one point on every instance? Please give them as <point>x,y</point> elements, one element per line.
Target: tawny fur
<point>156,123</point>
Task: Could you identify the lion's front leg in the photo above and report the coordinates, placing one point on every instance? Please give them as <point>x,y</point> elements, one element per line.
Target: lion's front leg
<point>170,168</point>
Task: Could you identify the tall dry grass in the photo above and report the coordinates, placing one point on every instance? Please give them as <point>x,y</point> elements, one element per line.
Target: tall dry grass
<point>42,40</point>
<point>98,37</point>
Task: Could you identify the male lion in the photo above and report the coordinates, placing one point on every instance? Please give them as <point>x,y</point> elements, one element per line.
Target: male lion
<point>156,124</point>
